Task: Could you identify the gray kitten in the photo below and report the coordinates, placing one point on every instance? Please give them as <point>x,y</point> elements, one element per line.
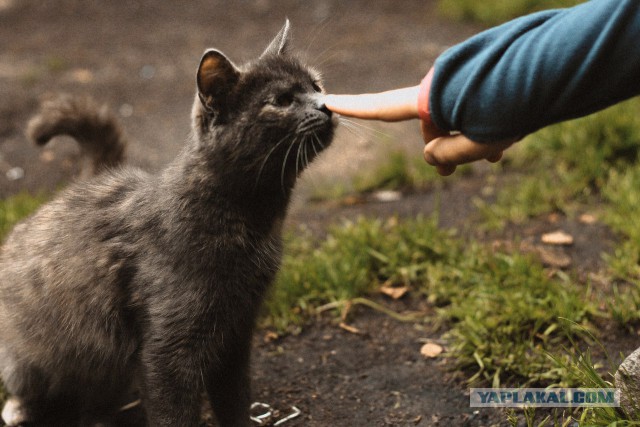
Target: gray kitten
<point>131,279</point>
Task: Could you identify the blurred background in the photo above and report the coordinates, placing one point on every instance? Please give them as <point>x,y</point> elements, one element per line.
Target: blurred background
<point>140,58</point>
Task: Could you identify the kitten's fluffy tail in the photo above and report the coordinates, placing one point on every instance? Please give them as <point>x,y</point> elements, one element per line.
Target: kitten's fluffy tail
<point>94,127</point>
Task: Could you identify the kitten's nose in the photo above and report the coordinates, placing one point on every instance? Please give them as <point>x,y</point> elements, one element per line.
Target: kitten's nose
<point>322,107</point>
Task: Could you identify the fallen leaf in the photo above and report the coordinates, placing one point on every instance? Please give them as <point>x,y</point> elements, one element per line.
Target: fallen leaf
<point>352,200</point>
<point>587,219</point>
<point>431,350</point>
<point>553,217</point>
<point>47,156</point>
<point>351,329</point>
<point>553,257</point>
<point>395,292</point>
<point>270,336</point>
<point>82,75</point>
<point>557,238</point>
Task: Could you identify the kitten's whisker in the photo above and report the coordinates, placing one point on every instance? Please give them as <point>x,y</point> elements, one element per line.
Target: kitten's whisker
<point>313,144</point>
<point>321,64</point>
<point>360,125</point>
<point>321,60</point>
<point>305,156</point>
<point>320,28</point>
<point>298,156</point>
<point>284,166</point>
<point>264,162</point>
<point>354,131</point>
<point>306,148</point>
<point>322,146</point>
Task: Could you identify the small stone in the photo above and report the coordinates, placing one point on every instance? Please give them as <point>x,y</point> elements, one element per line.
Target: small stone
<point>148,72</point>
<point>126,110</point>
<point>387,196</point>
<point>15,173</point>
<point>627,379</point>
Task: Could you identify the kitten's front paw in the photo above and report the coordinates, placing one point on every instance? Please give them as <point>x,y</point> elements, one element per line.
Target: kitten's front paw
<point>15,413</point>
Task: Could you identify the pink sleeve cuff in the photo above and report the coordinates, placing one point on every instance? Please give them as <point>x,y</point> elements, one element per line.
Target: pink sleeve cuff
<point>423,97</point>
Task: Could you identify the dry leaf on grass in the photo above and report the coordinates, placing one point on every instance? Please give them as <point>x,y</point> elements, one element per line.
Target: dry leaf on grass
<point>47,156</point>
<point>270,336</point>
<point>557,238</point>
<point>431,350</point>
<point>553,217</point>
<point>351,329</point>
<point>395,292</point>
<point>587,219</point>
<point>553,257</point>
<point>82,75</point>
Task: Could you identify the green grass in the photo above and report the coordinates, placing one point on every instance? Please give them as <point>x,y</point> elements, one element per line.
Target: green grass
<point>507,312</point>
<point>396,171</point>
<point>401,172</point>
<point>579,165</point>
<point>492,12</point>
<point>564,166</point>
<point>351,261</point>
<point>586,164</point>
<point>581,370</point>
<point>14,208</point>
<point>502,311</point>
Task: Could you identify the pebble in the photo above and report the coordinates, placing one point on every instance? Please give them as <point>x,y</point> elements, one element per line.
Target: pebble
<point>627,379</point>
<point>15,173</point>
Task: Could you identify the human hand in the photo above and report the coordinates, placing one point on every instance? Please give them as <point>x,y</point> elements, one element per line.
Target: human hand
<point>442,150</point>
<point>446,152</point>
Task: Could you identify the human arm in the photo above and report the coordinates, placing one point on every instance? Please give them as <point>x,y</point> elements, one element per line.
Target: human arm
<point>526,74</point>
<point>551,66</point>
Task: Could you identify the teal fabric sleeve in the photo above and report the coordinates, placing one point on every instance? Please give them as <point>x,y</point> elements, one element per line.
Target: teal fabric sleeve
<point>514,79</point>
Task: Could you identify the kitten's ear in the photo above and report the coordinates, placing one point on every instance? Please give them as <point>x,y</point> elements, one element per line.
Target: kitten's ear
<point>280,44</point>
<point>217,76</point>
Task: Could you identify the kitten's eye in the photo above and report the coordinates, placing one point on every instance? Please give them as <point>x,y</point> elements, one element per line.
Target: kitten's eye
<point>284,100</point>
<point>316,87</point>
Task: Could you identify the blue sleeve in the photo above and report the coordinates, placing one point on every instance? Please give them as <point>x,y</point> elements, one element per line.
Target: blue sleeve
<point>540,69</point>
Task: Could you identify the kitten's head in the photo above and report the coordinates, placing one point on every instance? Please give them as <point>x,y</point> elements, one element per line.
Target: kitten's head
<point>262,122</point>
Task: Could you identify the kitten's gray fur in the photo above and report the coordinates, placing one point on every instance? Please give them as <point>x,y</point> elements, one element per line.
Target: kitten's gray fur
<point>156,279</point>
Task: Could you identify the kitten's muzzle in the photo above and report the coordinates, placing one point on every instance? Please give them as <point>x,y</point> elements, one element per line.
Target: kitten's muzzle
<point>318,102</point>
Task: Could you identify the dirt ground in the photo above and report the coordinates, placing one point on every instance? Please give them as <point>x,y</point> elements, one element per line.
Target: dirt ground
<point>140,57</point>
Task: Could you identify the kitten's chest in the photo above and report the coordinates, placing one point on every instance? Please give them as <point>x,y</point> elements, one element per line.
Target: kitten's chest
<point>241,261</point>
